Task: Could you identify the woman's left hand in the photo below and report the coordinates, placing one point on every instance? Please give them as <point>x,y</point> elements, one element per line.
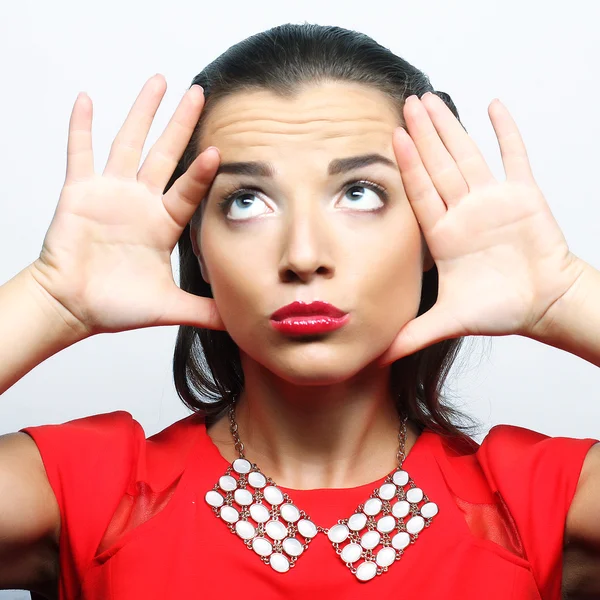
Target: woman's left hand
<point>501,256</point>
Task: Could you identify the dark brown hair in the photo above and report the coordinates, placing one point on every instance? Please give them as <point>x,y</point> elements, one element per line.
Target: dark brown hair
<point>206,363</point>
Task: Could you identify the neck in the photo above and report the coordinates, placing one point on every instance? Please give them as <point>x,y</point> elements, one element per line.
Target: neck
<point>309,437</point>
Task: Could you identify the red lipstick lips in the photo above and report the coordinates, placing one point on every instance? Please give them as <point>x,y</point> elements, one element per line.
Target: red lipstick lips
<point>299,318</point>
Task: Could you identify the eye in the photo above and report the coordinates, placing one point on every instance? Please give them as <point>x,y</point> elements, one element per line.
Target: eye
<point>241,204</point>
<point>244,203</point>
<point>365,195</point>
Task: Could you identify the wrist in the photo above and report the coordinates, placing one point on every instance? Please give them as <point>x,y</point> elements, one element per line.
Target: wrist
<point>572,323</point>
<point>61,321</point>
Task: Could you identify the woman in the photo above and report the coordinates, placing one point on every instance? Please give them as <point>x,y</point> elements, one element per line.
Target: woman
<point>320,458</point>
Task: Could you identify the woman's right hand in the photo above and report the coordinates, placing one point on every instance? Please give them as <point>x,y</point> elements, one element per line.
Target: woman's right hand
<point>105,264</point>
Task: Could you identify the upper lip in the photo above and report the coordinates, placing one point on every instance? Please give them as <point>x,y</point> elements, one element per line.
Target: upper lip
<point>301,309</point>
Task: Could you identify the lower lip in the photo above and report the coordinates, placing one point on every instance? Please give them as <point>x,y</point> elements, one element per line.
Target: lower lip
<point>312,325</point>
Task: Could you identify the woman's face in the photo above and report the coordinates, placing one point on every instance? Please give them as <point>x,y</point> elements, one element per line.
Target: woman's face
<point>310,231</point>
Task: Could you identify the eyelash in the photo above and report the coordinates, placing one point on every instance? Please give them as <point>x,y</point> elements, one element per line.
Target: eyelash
<point>232,193</point>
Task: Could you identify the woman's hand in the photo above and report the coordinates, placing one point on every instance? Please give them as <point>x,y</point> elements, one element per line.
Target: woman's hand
<point>501,256</point>
<point>105,264</point>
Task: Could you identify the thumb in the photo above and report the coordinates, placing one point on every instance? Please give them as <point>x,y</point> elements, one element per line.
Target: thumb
<point>183,308</point>
<point>431,327</point>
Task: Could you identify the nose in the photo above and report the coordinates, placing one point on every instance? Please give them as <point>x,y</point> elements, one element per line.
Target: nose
<point>306,246</point>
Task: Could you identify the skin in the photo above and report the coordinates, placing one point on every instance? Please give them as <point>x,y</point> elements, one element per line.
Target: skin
<point>316,412</point>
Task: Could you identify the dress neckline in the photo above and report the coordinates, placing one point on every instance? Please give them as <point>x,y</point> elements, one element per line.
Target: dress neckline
<point>412,457</point>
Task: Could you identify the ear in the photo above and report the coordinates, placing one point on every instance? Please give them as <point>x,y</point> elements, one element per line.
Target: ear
<point>194,233</point>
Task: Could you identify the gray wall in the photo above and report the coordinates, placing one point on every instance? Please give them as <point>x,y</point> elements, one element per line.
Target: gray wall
<point>539,57</point>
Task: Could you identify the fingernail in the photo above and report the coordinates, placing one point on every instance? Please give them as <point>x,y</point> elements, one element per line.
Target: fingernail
<point>199,87</point>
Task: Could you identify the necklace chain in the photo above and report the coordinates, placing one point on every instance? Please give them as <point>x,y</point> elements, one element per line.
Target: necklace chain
<point>239,445</point>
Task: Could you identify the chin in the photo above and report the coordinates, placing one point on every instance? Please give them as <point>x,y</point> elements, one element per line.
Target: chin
<point>318,366</point>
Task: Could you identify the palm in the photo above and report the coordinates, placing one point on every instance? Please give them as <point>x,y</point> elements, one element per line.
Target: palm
<point>501,257</point>
<point>105,264</point>
<point>113,255</point>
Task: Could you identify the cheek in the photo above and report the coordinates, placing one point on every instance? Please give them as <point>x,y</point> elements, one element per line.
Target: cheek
<point>391,286</point>
<point>239,277</point>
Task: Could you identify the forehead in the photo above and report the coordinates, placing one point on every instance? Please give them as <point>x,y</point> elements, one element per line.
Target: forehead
<point>323,117</point>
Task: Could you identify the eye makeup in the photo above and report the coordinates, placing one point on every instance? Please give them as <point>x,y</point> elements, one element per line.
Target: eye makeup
<point>233,192</point>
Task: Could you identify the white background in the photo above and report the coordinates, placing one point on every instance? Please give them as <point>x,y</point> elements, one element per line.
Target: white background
<point>541,58</point>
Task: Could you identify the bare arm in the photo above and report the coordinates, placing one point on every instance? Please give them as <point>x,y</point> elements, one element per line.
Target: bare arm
<point>104,267</point>
<point>29,518</point>
<point>31,328</point>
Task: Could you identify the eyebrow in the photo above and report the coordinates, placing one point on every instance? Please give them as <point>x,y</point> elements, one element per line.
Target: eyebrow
<point>336,166</point>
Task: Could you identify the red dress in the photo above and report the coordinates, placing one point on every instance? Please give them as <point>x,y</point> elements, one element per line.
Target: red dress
<point>135,523</point>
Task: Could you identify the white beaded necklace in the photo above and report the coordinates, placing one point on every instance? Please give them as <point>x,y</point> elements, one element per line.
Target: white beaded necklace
<point>270,524</point>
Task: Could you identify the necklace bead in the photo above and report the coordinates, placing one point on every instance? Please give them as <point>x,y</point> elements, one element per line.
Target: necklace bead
<point>260,513</point>
<point>229,514</point>
<point>273,495</point>
<point>262,546</point>
<point>400,478</point>
<point>372,506</point>
<point>401,540</point>
<point>414,495</point>
<point>370,539</point>
<point>276,530</point>
<point>279,562</point>
<point>351,552</point>
<point>214,498</point>
<point>386,524</point>
<point>338,533</point>
<point>292,547</point>
<point>307,529</point>
<point>257,480</point>
<point>245,530</point>
<point>387,491</point>
<point>415,525</point>
<point>357,521</point>
<point>227,483</point>
<point>400,509</point>
<point>243,497</point>
<point>386,557</point>
<point>366,571</point>
<point>241,465</point>
<point>429,510</point>
<point>289,513</point>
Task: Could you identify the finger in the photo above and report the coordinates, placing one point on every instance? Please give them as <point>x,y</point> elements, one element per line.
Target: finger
<point>80,155</point>
<point>430,328</point>
<point>442,168</point>
<point>184,196</point>
<point>420,191</point>
<point>165,154</point>
<point>126,149</point>
<point>512,148</point>
<point>459,144</point>
<point>188,309</point>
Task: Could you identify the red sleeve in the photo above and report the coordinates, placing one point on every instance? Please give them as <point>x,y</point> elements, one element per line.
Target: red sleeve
<point>89,463</point>
<point>536,475</point>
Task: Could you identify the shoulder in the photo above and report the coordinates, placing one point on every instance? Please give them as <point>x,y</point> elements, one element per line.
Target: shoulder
<point>525,452</point>
<point>113,442</point>
<point>532,480</point>
<point>110,431</point>
<point>93,464</point>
